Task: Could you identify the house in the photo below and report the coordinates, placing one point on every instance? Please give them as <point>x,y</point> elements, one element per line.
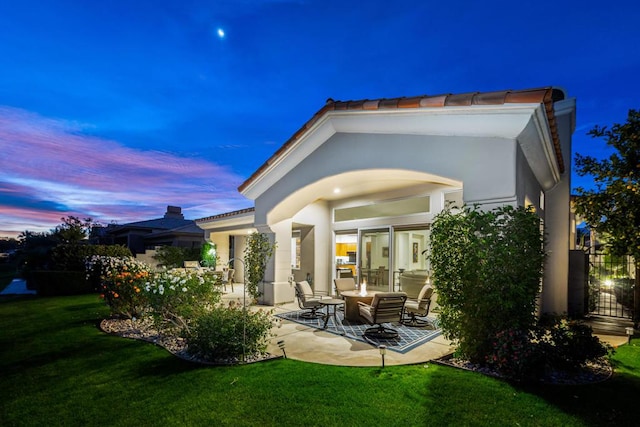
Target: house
<point>170,230</point>
<point>355,189</point>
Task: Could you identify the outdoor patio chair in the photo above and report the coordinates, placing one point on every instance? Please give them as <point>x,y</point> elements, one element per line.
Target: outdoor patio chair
<point>417,310</point>
<point>385,307</point>
<point>308,301</point>
<point>344,284</point>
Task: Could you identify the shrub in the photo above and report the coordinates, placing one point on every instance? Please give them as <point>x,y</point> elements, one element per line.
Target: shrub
<point>56,283</point>
<point>174,256</point>
<point>73,256</point>
<point>568,345</point>
<point>256,254</point>
<point>228,333</point>
<point>121,283</point>
<point>487,268</point>
<point>177,296</point>
<point>515,355</point>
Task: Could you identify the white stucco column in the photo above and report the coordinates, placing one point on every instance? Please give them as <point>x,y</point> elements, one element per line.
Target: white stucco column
<point>282,254</point>
<point>557,216</point>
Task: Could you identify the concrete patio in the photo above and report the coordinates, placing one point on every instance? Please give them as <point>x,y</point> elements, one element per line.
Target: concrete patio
<point>314,345</point>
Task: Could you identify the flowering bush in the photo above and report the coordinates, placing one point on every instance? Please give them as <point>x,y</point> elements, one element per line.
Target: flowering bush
<point>121,283</point>
<point>229,333</point>
<point>176,296</point>
<point>514,354</point>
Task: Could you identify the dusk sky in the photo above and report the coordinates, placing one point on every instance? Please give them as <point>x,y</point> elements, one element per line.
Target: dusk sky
<point>115,109</point>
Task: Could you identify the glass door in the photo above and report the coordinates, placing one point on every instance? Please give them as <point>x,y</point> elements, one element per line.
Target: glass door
<point>374,257</point>
<point>411,267</point>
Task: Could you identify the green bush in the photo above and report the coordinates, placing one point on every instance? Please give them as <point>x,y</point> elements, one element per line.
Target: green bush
<point>56,283</point>
<point>121,283</point>
<point>228,333</point>
<point>177,296</point>
<point>568,345</point>
<point>487,268</point>
<point>515,355</point>
<point>256,255</point>
<point>73,256</point>
<point>174,256</point>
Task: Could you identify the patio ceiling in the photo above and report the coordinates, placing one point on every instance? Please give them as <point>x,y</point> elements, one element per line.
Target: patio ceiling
<point>384,183</point>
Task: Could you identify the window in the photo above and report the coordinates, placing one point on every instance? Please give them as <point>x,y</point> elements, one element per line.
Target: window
<point>453,199</point>
<point>384,209</point>
<point>295,249</point>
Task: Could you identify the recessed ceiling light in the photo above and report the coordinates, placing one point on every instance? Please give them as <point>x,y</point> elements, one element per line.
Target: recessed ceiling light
<point>336,190</point>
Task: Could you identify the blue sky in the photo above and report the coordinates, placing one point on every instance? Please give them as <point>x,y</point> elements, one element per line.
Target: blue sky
<point>113,110</point>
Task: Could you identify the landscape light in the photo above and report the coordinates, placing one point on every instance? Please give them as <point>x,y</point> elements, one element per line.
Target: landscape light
<point>383,351</point>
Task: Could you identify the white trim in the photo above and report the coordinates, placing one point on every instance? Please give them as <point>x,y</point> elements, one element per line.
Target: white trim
<point>495,121</point>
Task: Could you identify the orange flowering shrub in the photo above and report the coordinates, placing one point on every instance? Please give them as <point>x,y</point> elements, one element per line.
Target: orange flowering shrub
<point>122,281</point>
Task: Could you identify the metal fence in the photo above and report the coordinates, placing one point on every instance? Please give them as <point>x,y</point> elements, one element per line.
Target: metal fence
<point>611,281</point>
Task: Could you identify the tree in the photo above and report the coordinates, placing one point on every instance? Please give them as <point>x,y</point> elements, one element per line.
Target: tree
<point>612,208</point>
<point>73,229</point>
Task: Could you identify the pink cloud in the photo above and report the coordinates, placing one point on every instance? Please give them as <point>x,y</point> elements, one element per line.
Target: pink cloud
<point>49,169</point>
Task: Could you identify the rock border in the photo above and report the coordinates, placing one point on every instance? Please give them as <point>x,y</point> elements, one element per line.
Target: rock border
<point>143,330</point>
<point>592,373</point>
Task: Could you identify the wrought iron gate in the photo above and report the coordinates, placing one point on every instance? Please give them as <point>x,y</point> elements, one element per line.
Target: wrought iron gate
<point>611,281</point>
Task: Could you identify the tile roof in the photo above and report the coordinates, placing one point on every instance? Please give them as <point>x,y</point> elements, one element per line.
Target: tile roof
<point>545,95</point>
<point>157,223</point>
<point>226,215</point>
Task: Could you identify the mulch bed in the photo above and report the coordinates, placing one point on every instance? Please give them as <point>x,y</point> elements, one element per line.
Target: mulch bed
<point>143,330</point>
<point>591,373</point>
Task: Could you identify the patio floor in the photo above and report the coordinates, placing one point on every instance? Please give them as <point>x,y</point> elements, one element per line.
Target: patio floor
<point>314,345</point>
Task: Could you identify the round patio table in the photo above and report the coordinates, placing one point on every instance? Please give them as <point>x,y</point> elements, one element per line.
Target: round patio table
<point>351,298</point>
<point>331,303</point>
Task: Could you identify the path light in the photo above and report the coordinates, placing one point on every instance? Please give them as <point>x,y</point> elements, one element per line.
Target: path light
<point>383,351</point>
<point>281,345</point>
<point>629,332</point>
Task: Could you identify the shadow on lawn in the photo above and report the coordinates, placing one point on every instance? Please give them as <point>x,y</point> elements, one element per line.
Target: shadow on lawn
<point>611,402</point>
<point>473,398</point>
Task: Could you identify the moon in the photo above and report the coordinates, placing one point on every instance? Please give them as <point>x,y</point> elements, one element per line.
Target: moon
<point>220,33</point>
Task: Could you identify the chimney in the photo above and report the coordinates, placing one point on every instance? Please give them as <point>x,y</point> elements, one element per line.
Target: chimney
<point>174,212</point>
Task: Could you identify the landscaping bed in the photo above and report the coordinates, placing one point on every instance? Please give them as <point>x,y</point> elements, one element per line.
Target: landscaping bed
<point>591,373</point>
<point>144,330</point>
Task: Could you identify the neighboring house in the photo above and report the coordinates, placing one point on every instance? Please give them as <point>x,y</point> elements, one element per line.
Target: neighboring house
<point>170,230</point>
<point>356,188</point>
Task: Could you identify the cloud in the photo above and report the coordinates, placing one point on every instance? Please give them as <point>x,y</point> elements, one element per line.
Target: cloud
<point>49,167</point>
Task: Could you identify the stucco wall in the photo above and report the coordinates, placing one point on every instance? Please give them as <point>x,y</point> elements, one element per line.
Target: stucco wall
<point>485,165</point>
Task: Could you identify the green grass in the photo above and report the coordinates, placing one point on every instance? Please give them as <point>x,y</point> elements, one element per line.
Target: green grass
<point>57,368</point>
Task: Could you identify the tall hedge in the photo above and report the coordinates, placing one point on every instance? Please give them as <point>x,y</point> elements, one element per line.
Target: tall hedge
<point>487,270</point>
<point>73,256</point>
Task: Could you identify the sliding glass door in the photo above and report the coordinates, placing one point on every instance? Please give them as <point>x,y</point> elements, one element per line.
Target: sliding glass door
<point>374,257</point>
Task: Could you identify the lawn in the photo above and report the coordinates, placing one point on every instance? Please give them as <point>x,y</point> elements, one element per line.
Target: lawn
<point>57,368</point>
<point>7,273</point>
